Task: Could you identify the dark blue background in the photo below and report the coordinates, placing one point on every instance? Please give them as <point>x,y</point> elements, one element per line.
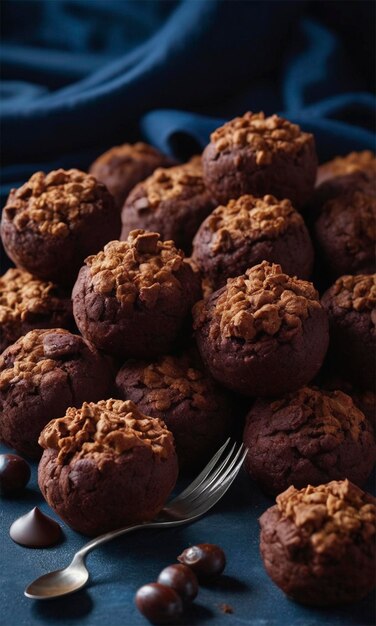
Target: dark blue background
<point>79,76</point>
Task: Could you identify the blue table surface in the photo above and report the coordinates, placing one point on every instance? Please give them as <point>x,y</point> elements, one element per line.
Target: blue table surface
<point>119,568</point>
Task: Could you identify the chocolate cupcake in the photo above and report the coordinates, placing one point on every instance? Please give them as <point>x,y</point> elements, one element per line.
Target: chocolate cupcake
<point>51,223</point>
<point>27,302</point>
<point>364,399</point>
<point>172,202</point>
<point>177,390</point>
<point>122,167</point>
<point>260,155</point>
<point>351,307</point>
<point>133,298</point>
<point>343,165</point>
<point>248,231</point>
<point>263,334</point>
<point>345,226</point>
<point>106,465</point>
<point>308,437</point>
<point>41,375</point>
<point>318,543</point>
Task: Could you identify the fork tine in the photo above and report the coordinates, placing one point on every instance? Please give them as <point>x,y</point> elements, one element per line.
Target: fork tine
<point>201,477</point>
<point>203,505</point>
<point>219,476</point>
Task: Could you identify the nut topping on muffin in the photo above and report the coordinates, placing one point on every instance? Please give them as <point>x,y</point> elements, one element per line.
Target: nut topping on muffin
<point>266,135</point>
<point>260,217</point>
<point>27,302</point>
<point>264,300</point>
<point>355,292</point>
<point>318,543</point>
<point>114,425</point>
<point>169,183</point>
<point>36,356</point>
<point>54,203</point>
<point>136,268</point>
<point>333,515</point>
<point>106,465</point>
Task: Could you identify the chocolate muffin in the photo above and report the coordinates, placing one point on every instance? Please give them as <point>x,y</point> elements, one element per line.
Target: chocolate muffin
<point>248,231</point>
<point>177,390</point>
<point>364,399</point>
<point>41,375</point>
<point>172,202</point>
<point>260,155</point>
<point>318,543</point>
<point>264,333</point>
<point>133,298</point>
<point>345,227</point>
<point>122,167</point>
<point>27,302</point>
<point>342,165</point>
<point>106,465</point>
<point>51,223</point>
<point>308,437</point>
<point>351,307</point>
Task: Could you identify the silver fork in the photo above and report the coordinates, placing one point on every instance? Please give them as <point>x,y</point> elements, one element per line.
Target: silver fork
<point>196,500</point>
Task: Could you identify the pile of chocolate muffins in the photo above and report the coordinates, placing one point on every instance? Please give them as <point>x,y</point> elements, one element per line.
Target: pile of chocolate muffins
<point>125,360</point>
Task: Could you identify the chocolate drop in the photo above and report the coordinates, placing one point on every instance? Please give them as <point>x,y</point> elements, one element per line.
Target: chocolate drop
<point>14,473</point>
<point>36,530</point>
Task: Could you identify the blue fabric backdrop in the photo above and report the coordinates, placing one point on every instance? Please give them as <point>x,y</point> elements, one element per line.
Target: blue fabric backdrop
<point>81,75</point>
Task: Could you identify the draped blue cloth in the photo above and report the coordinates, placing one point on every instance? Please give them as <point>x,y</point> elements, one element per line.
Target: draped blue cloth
<point>81,75</point>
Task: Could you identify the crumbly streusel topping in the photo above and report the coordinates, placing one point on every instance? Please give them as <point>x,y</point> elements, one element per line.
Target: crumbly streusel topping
<point>56,203</point>
<point>348,164</point>
<point>136,268</point>
<point>356,292</point>
<point>109,426</point>
<point>334,514</point>
<point>250,218</point>
<point>23,296</point>
<point>171,380</point>
<point>263,300</point>
<point>326,412</point>
<point>35,354</point>
<point>265,135</point>
<point>171,183</point>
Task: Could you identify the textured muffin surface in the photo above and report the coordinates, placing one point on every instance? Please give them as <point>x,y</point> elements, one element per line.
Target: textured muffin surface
<point>106,465</point>
<point>27,302</point>
<point>54,220</point>
<point>172,201</point>
<point>318,544</point>
<point>176,389</point>
<point>120,168</point>
<point>351,304</point>
<point>308,437</point>
<point>248,231</point>
<point>264,333</point>
<point>42,374</point>
<point>260,155</point>
<point>132,298</point>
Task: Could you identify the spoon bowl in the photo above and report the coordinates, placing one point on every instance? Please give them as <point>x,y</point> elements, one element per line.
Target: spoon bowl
<point>58,583</point>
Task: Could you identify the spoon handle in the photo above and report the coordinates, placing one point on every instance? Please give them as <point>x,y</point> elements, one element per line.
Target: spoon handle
<point>97,541</point>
